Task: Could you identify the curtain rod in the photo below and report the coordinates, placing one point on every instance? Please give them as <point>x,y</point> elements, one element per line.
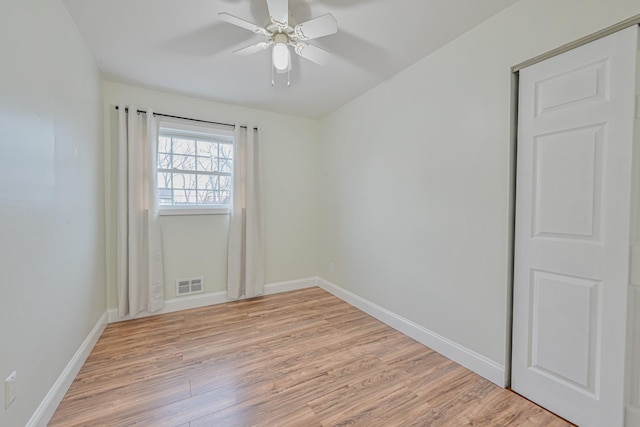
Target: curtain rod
<point>187,118</point>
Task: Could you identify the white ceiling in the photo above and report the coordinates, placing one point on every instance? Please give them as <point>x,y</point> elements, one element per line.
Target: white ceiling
<point>182,46</point>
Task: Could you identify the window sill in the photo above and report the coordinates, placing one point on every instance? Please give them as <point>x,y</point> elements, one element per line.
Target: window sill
<point>199,210</point>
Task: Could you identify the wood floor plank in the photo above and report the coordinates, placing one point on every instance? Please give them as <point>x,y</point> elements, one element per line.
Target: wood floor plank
<point>260,415</point>
<point>123,402</point>
<point>302,358</point>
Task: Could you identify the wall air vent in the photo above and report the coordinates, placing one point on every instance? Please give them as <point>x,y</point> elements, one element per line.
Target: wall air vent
<point>194,285</point>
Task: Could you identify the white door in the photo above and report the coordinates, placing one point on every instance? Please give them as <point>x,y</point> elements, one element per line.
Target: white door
<point>572,237</point>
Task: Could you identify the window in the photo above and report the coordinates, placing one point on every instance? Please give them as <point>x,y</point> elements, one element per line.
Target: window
<point>194,169</point>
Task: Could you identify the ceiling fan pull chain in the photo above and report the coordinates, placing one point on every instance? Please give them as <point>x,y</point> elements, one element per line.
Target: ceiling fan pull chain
<point>273,81</point>
<point>289,77</point>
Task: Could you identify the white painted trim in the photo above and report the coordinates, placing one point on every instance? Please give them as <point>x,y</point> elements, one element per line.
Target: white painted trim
<point>478,363</point>
<point>212,298</point>
<point>175,304</point>
<point>291,285</point>
<point>50,403</point>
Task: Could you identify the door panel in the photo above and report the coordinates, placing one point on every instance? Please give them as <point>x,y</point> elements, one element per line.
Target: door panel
<point>572,236</point>
<point>567,176</point>
<point>564,333</point>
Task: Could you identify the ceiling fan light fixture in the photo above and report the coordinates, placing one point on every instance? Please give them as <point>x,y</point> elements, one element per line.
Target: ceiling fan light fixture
<point>281,56</point>
<point>280,35</point>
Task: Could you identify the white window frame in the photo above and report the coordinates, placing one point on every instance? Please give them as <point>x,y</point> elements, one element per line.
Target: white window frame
<point>176,127</point>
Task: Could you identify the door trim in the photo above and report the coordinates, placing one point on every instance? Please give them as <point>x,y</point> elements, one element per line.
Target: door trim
<point>634,20</point>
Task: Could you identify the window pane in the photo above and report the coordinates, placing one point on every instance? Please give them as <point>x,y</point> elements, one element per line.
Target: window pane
<point>164,144</point>
<point>207,182</point>
<point>183,146</point>
<point>205,197</point>
<point>207,149</point>
<point>164,196</point>
<point>225,165</point>
<point>225,183</point>
<point>184,180</point>
<point>187,163</point>
<point>164,161</point>
<point>205,164</point>
<point>164,179</point>
<point>184,197</point>
<point>225,197</point>
<point>226,150</point>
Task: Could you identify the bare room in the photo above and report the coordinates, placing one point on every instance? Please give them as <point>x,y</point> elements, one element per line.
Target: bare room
<point>320,213</point>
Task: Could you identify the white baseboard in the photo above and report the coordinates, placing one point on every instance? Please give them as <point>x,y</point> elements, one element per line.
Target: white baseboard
<point>212,298</point>
<point>632,416</point>
<point>48,406</point>
<point>479,364</point>
<point>291,285</point>
<point>176,304</point>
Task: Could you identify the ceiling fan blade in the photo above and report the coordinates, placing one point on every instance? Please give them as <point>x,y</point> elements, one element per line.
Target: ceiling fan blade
<point>318,27</point>
<point>252,49</point>
<point>242,23</point>
<point>279,12</point>
<point>313,53</point>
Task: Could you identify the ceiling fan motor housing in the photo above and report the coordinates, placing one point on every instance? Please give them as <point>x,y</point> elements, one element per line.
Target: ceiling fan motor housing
<point>281,38</point>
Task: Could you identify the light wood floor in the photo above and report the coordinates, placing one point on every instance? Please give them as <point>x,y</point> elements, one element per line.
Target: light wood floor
<point>302,358</point>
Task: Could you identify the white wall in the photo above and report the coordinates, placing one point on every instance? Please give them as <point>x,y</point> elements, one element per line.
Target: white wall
<point>415,176</point>
<point>197,245</point>
<point>52,270</point>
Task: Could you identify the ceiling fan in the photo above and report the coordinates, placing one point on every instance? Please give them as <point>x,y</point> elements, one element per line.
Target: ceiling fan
<point>281,35</point>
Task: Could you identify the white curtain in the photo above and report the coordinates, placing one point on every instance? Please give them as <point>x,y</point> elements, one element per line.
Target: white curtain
<point>245,273</point>
<point>139,245</point>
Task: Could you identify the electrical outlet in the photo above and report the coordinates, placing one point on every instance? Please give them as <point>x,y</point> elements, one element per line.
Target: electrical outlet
<point>331,267</point>
<point>9,390</point>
